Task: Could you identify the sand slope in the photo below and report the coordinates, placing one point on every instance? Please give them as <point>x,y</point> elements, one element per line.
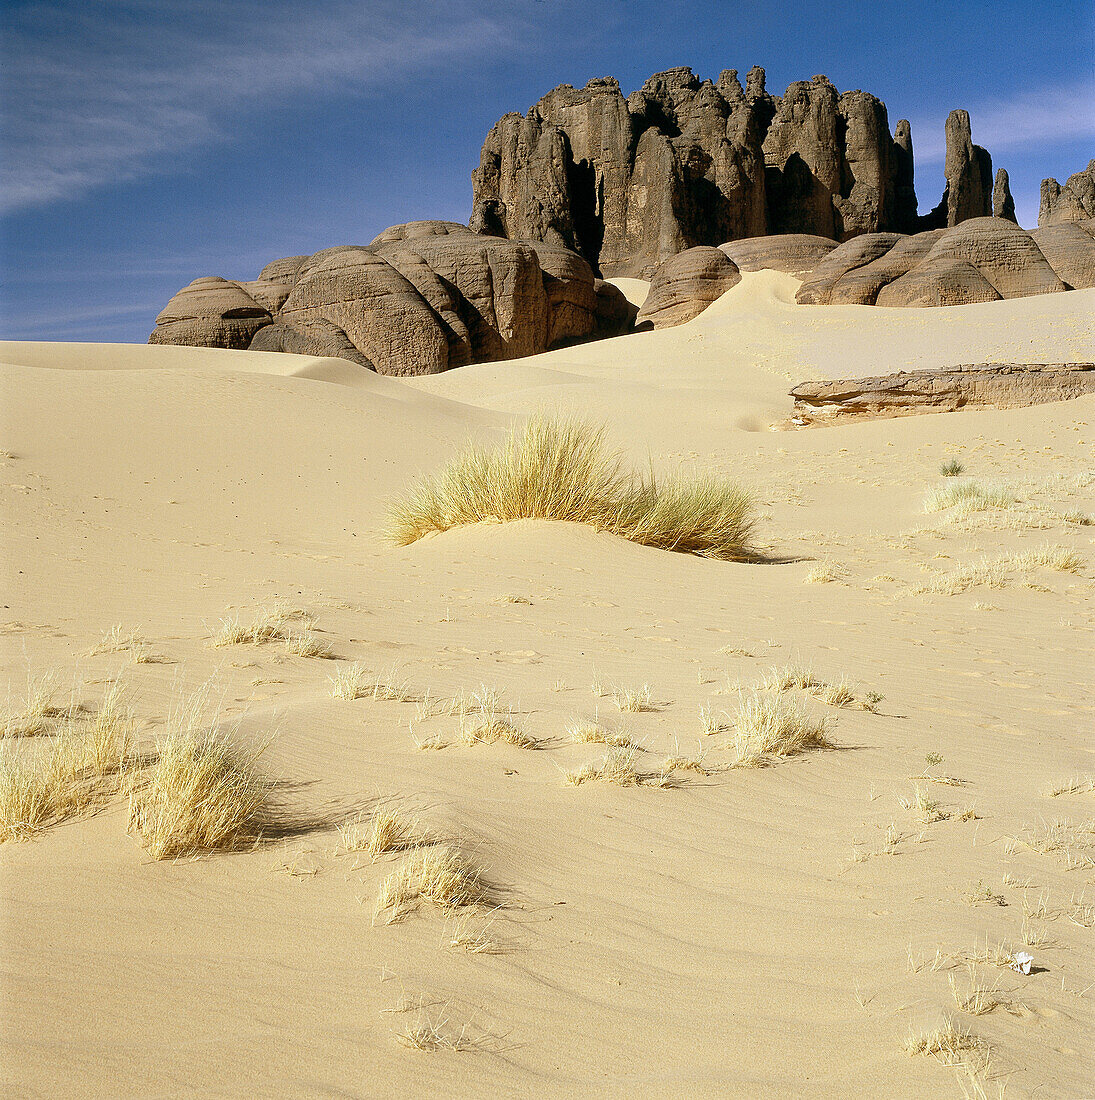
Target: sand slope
<point>737,936</point>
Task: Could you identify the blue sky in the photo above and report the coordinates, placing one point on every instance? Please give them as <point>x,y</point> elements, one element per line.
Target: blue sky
<point>146,142</point>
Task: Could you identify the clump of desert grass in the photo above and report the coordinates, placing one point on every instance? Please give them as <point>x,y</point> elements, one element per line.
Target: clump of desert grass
<point>441,875</point>
<point>997,572</point>
<point>291,626</point>
<point>826,572</point>
<point>953,1045</point>
<point>42,788</point>
<point>563,470</point>
<point>926,807</point>
<point>952,468</point>
<point>71,771</point>
<point>839,693</point>
<point>39,711</point>
<point>487,721</point>
<point>1073,842</point>
<point>771,726</point>
<point>1078,784</point>
<point>432,1033</point>
<point>970,496</point>
<point>617,766</point>
<point>201,792</point>
<point>634,699</point>
<point>384,830</point>
<point>588,731</point>
<point>355,681</point>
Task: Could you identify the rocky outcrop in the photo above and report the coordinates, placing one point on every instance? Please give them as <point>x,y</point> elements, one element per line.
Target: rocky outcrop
<point>793,253</point>
<point>1072,203</point>
<point>1068,248</point>
<point>984,384</point>
<point>1003,205</point>
<point>629,182</point>
<point>210,313</point>
<point>968,169</point>
<point>980,260</point>
<point>685,285</point>
<point>419,299</point>
<point>626,183</point>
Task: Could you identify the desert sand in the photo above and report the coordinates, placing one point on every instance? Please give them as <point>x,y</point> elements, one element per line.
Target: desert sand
<point>744,933</point>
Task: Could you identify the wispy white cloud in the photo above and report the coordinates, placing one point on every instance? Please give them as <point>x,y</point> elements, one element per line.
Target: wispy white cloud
<point>1033,120</point>
<point>114,89</point>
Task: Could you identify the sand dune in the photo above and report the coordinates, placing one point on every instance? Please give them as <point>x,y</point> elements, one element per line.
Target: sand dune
<point>746,933</point>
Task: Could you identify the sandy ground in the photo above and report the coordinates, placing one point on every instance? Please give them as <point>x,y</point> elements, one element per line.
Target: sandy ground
<point>746,934</point>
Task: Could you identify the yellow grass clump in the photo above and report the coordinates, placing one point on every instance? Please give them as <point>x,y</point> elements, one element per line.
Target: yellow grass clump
<point>618,766</point>
<point>995,572</point>
<point>270,624</point>
<point>970,496</point>
<point>953,1045</point>
<point>42,788</point>
<point>591,732</point>
<point>772,726</point>
<point>485,722</point>
<point>562,470</point>
<point>203,793</point>
<point>38,711</point>
<point>73,771</point>
<point>385,830</point>
<point>440,874</point>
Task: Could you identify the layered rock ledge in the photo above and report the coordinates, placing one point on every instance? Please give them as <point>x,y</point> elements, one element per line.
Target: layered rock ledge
<point>1000,385</point>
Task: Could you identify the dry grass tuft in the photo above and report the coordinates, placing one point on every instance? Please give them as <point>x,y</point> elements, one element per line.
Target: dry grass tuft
<point>475,939</point>
<point>39,711</point>
<point>75,771</point>
<point>970,496</point>
<point>952,468</point>
<point>109,745</point>
<point>977,999</point>
<point>201,794</point>
<point>826,573</point>
<point>118,640</point>
<point>838,694</point>
<point>1078,784</point>
<point>591,732</point>
<point>616,766</point>
<point>42,788</point>
<point>769,726</point>
<point>440,874</point>
<point>385,830</point>
<point>633,699</point>
<point>270,624</point>
<point>486,722</point>
<point>791,677</point>
<point>1071,841</point>
<point>953,1045</point>
<point>306,643</point>
<point>927,808</point>
<point>996,572</point>
<point>562,470</point>
<point>431,1034</point>
<point>356,682</point>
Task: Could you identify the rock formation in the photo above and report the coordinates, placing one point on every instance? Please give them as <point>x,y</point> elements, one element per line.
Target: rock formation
<point>1003,205</point>
<point>421,298</point>
<point>629,182</point>
<point>1071,203</point>
<point>982,384</point>
<point>794,253</point>
<point>979,260</point>
<point>686,284</point>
